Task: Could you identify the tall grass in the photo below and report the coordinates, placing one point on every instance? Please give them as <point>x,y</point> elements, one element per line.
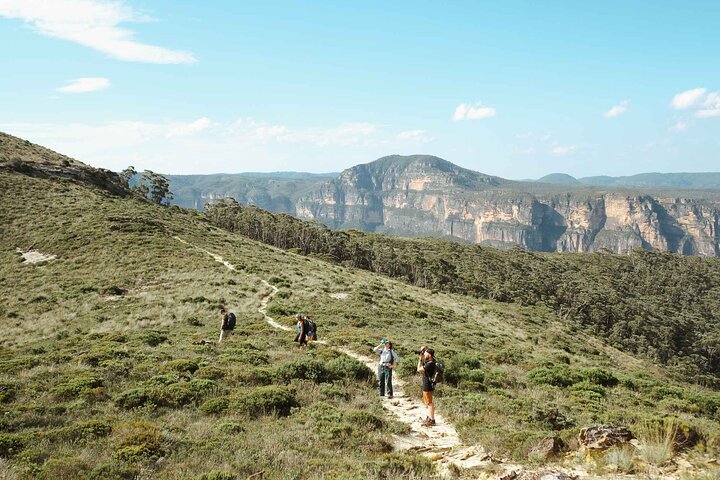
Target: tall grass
<point>657,440</point>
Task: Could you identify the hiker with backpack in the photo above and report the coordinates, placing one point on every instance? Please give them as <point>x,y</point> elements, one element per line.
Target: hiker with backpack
<point>227,324</point>
<point>388,360</point>
<point>307,329</point>
<point>431,372</point>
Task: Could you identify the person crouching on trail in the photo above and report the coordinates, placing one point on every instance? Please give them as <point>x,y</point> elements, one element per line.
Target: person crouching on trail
<point>227,324</point>
<point>301,336</point>
<point>426,367</point>
<point>388,360</point>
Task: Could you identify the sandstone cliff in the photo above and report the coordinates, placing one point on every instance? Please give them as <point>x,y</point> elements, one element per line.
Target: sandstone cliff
<point>424,195</point>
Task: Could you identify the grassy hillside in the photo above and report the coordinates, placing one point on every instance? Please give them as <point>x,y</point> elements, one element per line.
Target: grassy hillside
<point>104,373</point>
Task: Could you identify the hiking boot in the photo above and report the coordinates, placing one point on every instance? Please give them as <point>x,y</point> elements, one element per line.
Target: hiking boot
<point>390,396</point>
<point>429,422</point>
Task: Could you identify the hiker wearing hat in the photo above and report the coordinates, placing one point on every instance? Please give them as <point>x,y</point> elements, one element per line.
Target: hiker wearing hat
<point>388,360</point>
<point>426,367</point>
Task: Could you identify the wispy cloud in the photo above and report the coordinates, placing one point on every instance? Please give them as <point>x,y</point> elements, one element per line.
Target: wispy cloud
<point>679,127</point>
<point>563,149</point>
<point>688,98</point>
<point>711,106</point>
<point>187,129</point>
<point>343,135</point>
<point>86,84</point>
<point>94,24</point>
<point>415,135</point>
<point>618,109</point>
<point>467,111</point>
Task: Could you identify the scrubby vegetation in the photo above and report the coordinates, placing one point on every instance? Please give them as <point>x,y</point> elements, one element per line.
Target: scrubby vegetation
<point>109,366</point>
<point>663,306</point>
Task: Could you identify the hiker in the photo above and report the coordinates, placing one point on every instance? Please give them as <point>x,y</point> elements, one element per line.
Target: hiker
<point>426,367</point>
<point>227,324</point>
<point>311,328</point>
<point>301,336</point>
<point>388,360</point>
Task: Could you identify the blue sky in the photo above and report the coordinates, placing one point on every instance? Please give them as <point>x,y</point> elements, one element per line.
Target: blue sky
<point>515,89</point>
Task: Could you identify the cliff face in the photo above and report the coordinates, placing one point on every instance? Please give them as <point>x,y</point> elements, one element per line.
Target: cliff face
<point>420,195</point>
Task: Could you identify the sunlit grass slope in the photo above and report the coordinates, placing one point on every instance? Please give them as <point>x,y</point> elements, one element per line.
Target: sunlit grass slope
<point>103,374</point>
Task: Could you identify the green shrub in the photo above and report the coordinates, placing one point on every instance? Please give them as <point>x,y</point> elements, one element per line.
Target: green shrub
<point>138,441</point>
<point>184,365</point>
<point>217,475</point>
<point>266,400</point>
<point>7,391</point>
<point>164,379</point>
<point>98,354</point>
<point>344,367</point>
<point>11,444</point>
<point>154,338</point>
<point>81,431</point>
<point>558,375</point>
<point>77,386</point>
<point>215,405</point>
<point>257,376</point>
<point>304,368</point>
<point>588,387</point>
<point>72,467</point>
<point>598,376</point>
<point>114,470</point>
<point>231,428</point>
<point>133,398</point>
<point>210,372</point>
<point>365,420</point>
<point>458,363</point>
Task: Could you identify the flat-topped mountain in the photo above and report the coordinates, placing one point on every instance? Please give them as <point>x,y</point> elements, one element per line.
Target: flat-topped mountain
<point>428,196</point>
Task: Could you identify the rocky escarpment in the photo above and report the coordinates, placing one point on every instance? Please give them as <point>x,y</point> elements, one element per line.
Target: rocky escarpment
<point>422,195</point>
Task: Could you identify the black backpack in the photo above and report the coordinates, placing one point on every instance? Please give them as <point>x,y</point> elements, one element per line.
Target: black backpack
<point>439,375</point>
<point>231,321</point>
<point>311,328</point>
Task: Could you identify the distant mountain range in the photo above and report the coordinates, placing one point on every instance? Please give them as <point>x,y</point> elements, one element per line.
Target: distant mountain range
<point>423,195</point>
<point>704,181</point>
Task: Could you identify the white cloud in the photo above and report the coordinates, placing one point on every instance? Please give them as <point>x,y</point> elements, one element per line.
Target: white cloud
<point>187,129</point>
<point>94,24</point>
<point>466,111</point>
<point>415,135</point>
<point>86,84</point>
<point>563,149</point>
<point>679,127</point>
<point>618,109</point>
<point>343,135</point>
<point>708,112</point>
<point>688,98</point>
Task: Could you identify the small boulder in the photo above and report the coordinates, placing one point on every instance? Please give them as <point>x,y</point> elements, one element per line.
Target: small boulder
<point>603,437</point>
<point>547,448</point>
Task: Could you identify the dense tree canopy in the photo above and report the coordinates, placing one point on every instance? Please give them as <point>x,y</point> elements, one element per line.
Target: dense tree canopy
<point>660,305</point>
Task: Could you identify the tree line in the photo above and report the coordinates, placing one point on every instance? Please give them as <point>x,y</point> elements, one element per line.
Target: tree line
<point>663,306</point>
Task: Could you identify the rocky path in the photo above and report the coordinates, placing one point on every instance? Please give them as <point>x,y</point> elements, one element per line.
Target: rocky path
<point>440,443</point>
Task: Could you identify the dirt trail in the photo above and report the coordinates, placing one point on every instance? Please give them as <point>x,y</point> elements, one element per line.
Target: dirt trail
<point>440,443</point>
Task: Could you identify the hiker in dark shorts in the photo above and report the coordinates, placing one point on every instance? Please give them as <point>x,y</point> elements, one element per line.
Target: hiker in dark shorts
<point>426,368</point>
<point>301,336</point>
<point>388,360</point>
<point>225,329</point>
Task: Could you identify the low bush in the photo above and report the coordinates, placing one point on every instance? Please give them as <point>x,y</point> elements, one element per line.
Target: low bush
<point>65,467</point>
<point>558,375</point>
<point>231,428</point>
<point>184,365</point>
<point>11,444</point>
<point>7,391</point>
<point>138,441</point>
<point>115,470</point>
<point>154,338</point>
<point>215,405</point>
<point>217,475</point>
<point>77,386</point>
<point>598,376</point>
<point>265,401</point>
